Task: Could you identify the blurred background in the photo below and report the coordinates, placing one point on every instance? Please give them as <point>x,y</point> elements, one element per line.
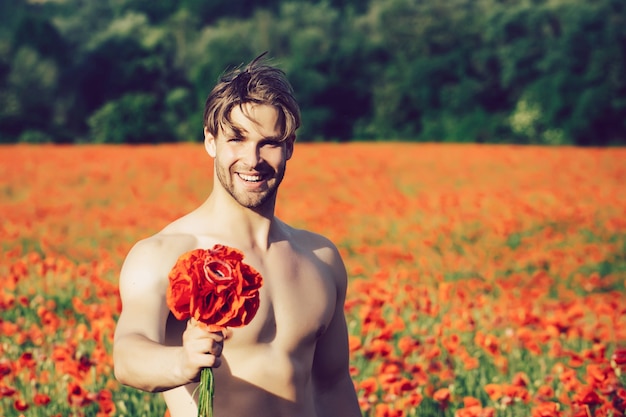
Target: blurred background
<point>484,71</point>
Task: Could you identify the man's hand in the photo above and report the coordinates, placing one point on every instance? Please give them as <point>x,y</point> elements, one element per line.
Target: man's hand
<point>201,349</point>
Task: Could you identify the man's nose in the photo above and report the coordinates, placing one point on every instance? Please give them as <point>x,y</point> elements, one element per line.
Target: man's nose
<point>252,154</point>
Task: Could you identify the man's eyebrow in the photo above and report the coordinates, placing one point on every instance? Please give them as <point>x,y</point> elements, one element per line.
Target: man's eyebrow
<point>234,130</point>
<point>241,132</point>
<point>275,138</point>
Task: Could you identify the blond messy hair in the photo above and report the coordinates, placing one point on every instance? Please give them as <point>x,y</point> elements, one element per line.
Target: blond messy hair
<point>257,83</point>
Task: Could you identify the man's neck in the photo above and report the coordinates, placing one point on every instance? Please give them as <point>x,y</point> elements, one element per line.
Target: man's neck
<point>251,227</point>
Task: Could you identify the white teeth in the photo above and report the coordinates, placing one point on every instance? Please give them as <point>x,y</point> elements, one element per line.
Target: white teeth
<point>250,178</point>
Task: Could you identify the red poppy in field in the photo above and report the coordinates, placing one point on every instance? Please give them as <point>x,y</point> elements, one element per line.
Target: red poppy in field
<point>41,399</point>
<point>369,386</point>
<point>469,362</point>
<point>6,391</point>
<point>384,410</point>
<point>432,352</point>
<point>401,386</point>
<point>596,353</point>
<point>9,329</point>
<point>586,395</point>
<point>619,357</point>
<point>536,234</point>
<point>378,347</point>
<point>569,379</point>
<point>442,396</point>
<point>511,392</point>
<point>407,344</point>
<point>451,343</point>
<point>575,359</point>
<point>619,400</point>
<point>602,377</point>
<point>544,393</point>
<point>354,342</point>
<point>475,411</point>
<point>581,411</point>
<point>77,396</point>
<point>419,374</point>
<point>5,368</point>
<point>494,391</point>
<point>106,406</point>
<point>520,379</point>
<point>26,360</point>
<point>546,409</point>
<point>20,405</point>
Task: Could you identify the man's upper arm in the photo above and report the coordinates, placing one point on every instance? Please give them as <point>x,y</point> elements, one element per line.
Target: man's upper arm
<point>331,361</point>
<point>334,389</point>
<point>142,290</point>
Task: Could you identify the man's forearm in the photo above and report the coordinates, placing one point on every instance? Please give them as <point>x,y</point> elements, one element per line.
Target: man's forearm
<point>146,365</point>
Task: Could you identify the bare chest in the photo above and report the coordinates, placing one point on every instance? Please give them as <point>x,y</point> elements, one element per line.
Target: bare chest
<point>297,301</point>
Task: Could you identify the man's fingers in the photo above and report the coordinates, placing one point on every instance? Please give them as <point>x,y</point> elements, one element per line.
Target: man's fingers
<point>192,323</point>
<point>203,342</point>
<point>215,348</point>
<point>213,361</point>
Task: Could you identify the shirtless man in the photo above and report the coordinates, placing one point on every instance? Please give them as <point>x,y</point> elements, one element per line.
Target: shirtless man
<point>292,359</point>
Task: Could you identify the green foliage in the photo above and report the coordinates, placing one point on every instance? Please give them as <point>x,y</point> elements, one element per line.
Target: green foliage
<point>561,60</point>
<point>36,137</point>
<point>132,119</point>
<point>179,105</point>
<point>26,101</point>
<point>535,72</point>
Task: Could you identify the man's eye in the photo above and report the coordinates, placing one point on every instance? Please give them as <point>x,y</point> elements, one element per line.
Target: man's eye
<point>235,140</point>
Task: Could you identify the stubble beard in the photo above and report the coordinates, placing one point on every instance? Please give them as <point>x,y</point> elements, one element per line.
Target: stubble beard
<point>248,199</point>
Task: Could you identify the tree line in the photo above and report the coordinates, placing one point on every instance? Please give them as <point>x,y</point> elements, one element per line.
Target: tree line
<point>489,71</point>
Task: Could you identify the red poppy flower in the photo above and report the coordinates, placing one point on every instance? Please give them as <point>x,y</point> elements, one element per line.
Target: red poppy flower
<point>619,356</point>
<point>546,409</point>
<point>41,399</point>
<point>214,287</point>
<point>217,289</point>
<point>20,405</point>
<point>442,395</point>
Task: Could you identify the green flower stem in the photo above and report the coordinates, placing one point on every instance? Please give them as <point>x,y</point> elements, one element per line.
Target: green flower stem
<point>207,389</point>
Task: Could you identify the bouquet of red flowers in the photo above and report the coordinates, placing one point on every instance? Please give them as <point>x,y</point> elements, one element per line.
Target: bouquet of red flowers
<point>217,289</point>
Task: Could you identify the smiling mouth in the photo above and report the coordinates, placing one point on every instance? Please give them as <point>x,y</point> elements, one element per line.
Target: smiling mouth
<point>250,178</point>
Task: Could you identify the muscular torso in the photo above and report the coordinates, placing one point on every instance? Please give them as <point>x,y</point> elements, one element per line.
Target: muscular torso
<point>266,365</point>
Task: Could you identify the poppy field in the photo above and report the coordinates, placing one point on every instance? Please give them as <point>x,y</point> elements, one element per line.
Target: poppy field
<point>484,280</point>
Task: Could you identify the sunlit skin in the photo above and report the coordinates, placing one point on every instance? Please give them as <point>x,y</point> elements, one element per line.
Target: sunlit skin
<point>292,359</point>
<point>250,167</point>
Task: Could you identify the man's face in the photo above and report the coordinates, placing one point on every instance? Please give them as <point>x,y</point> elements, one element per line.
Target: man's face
<point>250,165</point>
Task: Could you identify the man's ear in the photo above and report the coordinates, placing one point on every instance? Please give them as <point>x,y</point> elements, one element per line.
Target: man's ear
<point>209,143</point>
<point>289,142</point>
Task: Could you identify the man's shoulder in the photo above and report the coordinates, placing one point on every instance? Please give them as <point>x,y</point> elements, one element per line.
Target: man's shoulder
<point>320,248</point>
<point>161,243</point>
<point>312,242</point>
<point>159,251</point>
<point>304,237</point>
<point>176,237</point>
